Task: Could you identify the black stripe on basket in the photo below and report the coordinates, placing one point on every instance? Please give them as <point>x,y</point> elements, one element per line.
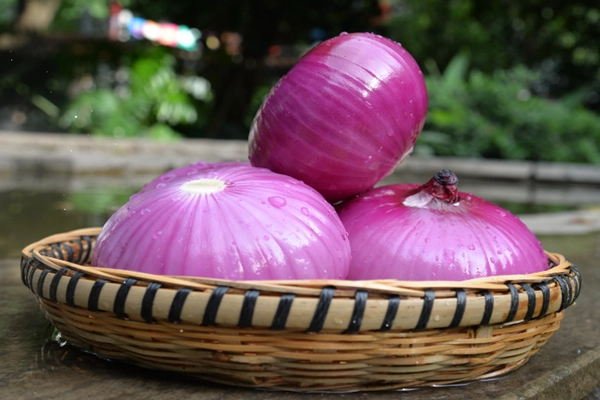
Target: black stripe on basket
<point>489,307</point>
<point>55,281</point>
<point>148,301</point>
<point>24,268</point>
<point>177,305</point>
<point>79,245</point>
<point>71,288</point>
<point>577,279</point>
<point>360,303</point>
<point>33,266</point>
<point>531,302</point>
<point>573,287</point>
<point>212,307</point>
<point>390,313</point>
<point>543,286</point>
<point>283,311</point>
<point>40,283</point>
<point>428,300</point>
<point>94,296</point>
<point>461,305</point>
<point>248,305</point>
<point>514,302</point>
<point>121,297</point>
<point>57,251</point>
<point>88,250</point>
<point>26,274</point>
<point>70,252</point>
<point>320,314</point>
<point>565,289</point>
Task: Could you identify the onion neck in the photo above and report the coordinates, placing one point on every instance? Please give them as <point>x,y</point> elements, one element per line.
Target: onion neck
<point>443,187</point>
<point>203,186</point>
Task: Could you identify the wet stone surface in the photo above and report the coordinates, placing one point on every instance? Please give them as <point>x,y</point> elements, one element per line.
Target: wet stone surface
<point>32,366</point>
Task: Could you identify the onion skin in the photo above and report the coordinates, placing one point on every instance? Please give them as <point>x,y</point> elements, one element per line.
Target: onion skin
<point>343,117</point>
<point>433,232</point>
<point>259,225</point>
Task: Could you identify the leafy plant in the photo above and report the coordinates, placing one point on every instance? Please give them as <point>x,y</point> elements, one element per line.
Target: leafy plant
<point>499,115</point>
<point>147,98</point>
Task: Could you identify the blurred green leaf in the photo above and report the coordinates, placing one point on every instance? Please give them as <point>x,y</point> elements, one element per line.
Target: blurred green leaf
<point>104,202</point>
<point>149,100</point>
<point>499,116</point>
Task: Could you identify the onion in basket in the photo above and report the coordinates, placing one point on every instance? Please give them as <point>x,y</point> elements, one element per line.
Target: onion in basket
<point>435,232</point>
<point>343,117</point>
<point>236,222</point>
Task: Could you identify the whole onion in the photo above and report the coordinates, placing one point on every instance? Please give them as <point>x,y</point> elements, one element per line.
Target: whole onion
<point>233,222</point>
<point>343,117</point>
<point>435,232</point>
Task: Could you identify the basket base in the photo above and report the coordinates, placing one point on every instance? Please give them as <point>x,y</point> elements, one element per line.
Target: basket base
<point>297,361</point>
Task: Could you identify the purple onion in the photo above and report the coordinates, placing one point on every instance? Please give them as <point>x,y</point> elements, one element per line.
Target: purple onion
<point>343,117</point>
<point>233,222</point>
<point>433,232</point>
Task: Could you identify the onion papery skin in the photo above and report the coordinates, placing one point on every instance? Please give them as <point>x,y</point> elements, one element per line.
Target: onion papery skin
<point>188,170</point>
<point>260,225</point>
<point>471,238</point>
<point>343,117</point>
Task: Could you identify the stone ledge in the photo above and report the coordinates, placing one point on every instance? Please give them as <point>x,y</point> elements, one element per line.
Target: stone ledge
<point>89,154</point>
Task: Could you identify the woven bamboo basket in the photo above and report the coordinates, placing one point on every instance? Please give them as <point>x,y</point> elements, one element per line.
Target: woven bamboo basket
<point>315,335</point>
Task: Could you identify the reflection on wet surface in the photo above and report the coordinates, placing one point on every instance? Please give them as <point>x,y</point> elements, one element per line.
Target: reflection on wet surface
<point>27,216</point>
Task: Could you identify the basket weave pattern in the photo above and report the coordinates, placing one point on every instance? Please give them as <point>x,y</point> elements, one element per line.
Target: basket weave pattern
<point>299,335</point>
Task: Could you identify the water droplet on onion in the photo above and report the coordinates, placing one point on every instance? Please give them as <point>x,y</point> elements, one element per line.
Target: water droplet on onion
<point>145,211</point>
<point>157,234</point>
<point>277,201</point>
<point>448,256</point>
<point>304,211</point>
<point>167,177</point>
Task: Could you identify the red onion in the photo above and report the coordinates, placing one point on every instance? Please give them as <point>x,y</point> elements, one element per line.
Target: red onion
<point>435,232</point>
<point>234,222</point>
<point>343,117</point>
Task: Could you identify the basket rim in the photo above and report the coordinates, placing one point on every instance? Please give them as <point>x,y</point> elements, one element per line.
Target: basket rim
<point>53,270</point>
<point>561,265</point>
